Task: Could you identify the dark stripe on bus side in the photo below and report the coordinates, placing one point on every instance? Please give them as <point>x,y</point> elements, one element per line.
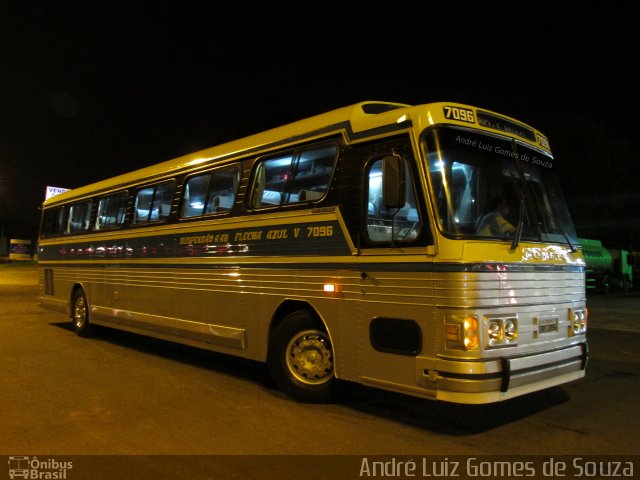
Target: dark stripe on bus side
<point>317,238</point>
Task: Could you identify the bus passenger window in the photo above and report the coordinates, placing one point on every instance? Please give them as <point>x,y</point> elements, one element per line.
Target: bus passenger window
<point>111,211</point>
<point>222,192</point>
<point>313,174</point>
<point>301,176</point>
<point>212,192</point>
<point>195,195</point>
<point>153,204</point>
<point>386,225</point>
<point>52,222</point>
<point>79,215</point>
<point>275,173</point>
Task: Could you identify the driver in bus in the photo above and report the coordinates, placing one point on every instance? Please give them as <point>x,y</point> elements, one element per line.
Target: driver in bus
<point>494,223</point>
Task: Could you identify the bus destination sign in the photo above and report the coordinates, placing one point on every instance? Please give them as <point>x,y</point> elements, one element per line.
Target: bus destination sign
<point>505,125</point>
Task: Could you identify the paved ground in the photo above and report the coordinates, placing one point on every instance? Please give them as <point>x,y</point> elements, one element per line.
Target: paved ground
<point>618,311</point>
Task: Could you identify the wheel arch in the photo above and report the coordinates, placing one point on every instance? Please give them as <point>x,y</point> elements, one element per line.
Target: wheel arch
<point>289,306</point>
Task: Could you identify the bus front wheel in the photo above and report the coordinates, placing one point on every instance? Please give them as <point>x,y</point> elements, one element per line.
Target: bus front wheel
<point>80,314</point>
<point>300,358</point>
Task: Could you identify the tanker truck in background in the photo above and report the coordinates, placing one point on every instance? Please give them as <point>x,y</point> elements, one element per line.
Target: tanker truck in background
<point>607,268</point>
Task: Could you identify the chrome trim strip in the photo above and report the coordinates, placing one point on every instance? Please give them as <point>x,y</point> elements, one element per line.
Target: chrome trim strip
<point>175,327</point>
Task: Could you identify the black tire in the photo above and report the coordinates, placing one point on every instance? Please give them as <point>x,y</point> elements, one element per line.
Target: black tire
<point>300,358</point>
<point>80,314</point>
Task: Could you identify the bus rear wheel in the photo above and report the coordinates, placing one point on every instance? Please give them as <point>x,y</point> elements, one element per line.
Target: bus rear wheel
<point>300,358</point>
<point>80,314</point>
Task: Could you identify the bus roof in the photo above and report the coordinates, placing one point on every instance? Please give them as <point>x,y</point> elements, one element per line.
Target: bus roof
<point>361,118</point>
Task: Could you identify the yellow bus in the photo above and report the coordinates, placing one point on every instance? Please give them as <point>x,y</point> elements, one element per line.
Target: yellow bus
<point>423,249</point>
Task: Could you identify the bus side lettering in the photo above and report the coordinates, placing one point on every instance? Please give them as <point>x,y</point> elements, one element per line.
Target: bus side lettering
<point>281,233</point>
<point>324,231</point>
<point>246,236</point>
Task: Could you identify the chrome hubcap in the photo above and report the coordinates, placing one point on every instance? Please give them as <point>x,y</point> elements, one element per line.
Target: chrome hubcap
<point>80,313</point>
<point>309,357</point>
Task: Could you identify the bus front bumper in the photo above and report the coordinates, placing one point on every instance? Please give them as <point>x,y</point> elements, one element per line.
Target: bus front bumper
<point>472,381</point>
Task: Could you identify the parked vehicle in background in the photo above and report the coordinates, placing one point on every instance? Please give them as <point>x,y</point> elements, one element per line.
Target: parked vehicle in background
<point>607,268</point>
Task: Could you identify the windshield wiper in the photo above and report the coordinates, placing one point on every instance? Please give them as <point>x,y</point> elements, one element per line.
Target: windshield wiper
<point>568,239</point>
<point>521,214</point>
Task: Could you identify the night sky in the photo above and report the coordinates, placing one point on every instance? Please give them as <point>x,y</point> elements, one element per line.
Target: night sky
<point>90,90</point>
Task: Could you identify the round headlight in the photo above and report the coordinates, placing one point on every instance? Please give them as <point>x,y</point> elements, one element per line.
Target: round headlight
<point>510,330</point>
<point>576,322</point>
<point>493,331</point>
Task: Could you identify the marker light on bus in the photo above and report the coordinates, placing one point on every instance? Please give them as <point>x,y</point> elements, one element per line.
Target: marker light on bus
<point>470,333</point>
<point>330,288</point>
<point>461,332</point>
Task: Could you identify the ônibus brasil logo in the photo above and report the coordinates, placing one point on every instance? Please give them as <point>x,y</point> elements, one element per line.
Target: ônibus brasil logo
<point>34,468</point>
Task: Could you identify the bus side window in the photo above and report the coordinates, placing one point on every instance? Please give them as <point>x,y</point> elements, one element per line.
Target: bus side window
<point>195,195</point>
<point>275,173</point>
<point>385,224</point>
<point>52,222</point>
<point>212,192</point>
<point>314,169</point>
<point>111,211</point>
<point>153,204</point>
<point>79,215</point>
<point>296,177</point>
<point>222,190</point>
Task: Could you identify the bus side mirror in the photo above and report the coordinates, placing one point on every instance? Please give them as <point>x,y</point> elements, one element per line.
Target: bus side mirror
<point>394,187</point>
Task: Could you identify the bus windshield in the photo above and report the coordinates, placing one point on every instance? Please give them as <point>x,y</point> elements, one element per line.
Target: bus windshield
<point>489,186</point>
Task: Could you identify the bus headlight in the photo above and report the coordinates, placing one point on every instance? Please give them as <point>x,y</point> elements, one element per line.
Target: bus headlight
<point>494,332</point>
<point>578,321</point>
<point>510,330</point>
<point>500,332</point>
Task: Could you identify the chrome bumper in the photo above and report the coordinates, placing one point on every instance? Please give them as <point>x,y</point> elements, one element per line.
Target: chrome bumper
<point>473,381</point>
